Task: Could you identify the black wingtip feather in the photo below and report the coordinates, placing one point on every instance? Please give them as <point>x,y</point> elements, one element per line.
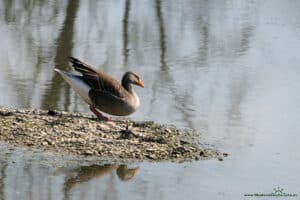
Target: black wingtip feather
<point>82,67</point>
<point>74,60</point>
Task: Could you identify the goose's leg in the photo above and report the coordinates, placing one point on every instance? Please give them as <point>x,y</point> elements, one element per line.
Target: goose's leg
<point>98,114</point>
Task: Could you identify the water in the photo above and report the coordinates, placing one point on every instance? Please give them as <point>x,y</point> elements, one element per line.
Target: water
<point>229,69</point>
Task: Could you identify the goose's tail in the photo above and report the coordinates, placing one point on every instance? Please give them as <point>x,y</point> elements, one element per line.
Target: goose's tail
<point>77,83</point>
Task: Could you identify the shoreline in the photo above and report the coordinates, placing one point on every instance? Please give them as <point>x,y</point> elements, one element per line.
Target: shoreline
<point>84,135</point>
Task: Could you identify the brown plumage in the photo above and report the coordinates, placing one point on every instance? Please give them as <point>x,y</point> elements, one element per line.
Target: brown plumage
<point>103,92</point>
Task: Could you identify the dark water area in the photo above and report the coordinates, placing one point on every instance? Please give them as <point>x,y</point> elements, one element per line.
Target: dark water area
<point>228,69</point>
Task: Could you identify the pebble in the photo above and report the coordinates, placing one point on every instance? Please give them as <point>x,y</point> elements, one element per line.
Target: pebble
<point>88,152</point>
<point>45,143</point>
<point>225,154</point>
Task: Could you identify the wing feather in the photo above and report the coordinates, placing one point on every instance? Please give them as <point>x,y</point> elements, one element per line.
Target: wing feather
<point>98,80</point>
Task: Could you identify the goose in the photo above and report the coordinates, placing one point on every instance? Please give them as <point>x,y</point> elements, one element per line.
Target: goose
<point>102,92</point>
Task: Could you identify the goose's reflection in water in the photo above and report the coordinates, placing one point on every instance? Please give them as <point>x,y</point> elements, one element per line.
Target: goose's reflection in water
<point>79,175</point>
<point>125,173</point>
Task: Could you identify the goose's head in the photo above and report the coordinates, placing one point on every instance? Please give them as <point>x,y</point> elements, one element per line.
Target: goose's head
<point>131,78</point>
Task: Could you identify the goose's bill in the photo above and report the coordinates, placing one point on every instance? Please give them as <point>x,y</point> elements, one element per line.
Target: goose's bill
<point>135,170</point>
<point>140,83</point>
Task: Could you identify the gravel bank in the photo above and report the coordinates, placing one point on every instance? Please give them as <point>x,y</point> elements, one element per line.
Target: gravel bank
<point>84,135</point>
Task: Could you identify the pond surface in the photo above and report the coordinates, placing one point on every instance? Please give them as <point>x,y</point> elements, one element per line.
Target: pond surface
<point>228,69</point>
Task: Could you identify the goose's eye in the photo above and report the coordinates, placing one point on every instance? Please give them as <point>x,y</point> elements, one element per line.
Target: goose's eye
<point>137,78</point>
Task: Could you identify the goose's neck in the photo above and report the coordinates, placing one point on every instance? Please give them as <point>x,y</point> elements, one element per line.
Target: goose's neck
<point>127,86</point>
